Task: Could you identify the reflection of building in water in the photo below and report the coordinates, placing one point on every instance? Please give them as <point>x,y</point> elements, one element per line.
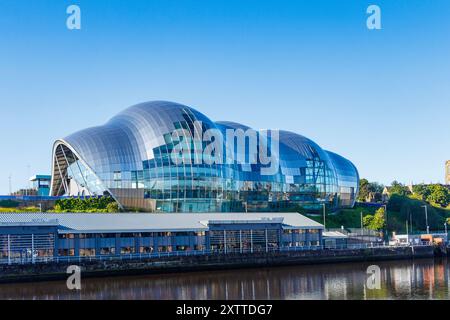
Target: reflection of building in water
<point>401,280</point>
<point>428,279</point>
<point>336,281</point>
<point>440,274</point>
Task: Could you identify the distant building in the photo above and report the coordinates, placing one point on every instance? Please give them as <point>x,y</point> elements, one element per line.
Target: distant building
<point>334,239</point>
<point>386,194</point>
<point>408,239</point>
<point>374,197</point>
<point>24,192</point>
<point>41,185</point>
<point>447,172</point>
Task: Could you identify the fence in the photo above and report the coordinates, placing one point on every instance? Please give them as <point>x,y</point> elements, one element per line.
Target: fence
<point>159,255</point>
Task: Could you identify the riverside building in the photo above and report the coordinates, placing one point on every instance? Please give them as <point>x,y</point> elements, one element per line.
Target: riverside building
<point>44,237</point>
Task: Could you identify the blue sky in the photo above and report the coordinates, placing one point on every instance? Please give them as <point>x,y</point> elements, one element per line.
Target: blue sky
<point>380,98</point>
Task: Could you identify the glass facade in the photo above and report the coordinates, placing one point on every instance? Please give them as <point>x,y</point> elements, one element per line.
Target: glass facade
<point>130,159</point>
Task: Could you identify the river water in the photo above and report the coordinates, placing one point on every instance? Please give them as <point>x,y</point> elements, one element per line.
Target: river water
<point>421,279</point>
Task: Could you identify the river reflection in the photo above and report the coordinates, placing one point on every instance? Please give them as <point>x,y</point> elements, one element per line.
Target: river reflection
<point>421,279</point>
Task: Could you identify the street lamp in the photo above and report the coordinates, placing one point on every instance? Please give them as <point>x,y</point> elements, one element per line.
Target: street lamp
<point>385,222</point>
<point>426,218</point>
<point>446,233</point>
<point>324,213</point>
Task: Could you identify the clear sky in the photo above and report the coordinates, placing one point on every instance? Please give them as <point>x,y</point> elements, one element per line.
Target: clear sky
<point>380,98</point>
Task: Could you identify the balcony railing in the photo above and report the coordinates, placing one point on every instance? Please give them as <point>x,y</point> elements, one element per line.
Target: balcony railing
<point>159,255</point>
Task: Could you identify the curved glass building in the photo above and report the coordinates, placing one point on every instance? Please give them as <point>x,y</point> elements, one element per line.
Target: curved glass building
<point>158,157</point>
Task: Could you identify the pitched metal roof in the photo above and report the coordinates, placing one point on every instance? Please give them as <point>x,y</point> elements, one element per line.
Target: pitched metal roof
<point>150,222</point>
<point>334,234</point>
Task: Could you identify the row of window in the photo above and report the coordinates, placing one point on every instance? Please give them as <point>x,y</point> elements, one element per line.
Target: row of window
<point>90,252</point>
<point>132,235</point>
<point>300,231</point>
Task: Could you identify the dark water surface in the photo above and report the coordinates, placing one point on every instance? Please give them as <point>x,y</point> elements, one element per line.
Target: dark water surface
<point>421,279</point>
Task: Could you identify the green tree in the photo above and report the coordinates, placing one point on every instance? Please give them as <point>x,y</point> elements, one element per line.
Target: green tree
<point>112,207</point>
<point>363,190</point>
<point>403,208</point>
<point>376,187</point>
<point>439,195</point>
<point>367,221</point>
<point>375,222</point>
<point>398,188</point>
<point>366,187</point>
<point>92,204</point>
<point>378,221</point>
<point>422,191</point>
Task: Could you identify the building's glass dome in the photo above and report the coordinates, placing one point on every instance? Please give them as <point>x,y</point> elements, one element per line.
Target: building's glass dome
<point>132,159</point>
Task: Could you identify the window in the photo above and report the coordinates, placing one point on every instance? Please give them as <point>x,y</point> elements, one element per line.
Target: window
<point>66,236</point>
<point>108,251</point>
<point>107,235</point>
<point>145,249</point>
<point>127,250</point>
<point>164,248</point>
<point>127,235</point>
<point>66,252</point>
<point>86,235</point>
<point>87,252</point>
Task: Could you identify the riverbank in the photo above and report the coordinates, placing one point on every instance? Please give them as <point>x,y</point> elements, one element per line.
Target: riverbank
<point>102,268</point>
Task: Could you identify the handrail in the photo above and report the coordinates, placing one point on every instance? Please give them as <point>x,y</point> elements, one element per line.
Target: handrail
<point>158,255</point>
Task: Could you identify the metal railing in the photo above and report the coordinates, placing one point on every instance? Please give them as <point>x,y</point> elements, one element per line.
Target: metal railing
<point>159,255</point>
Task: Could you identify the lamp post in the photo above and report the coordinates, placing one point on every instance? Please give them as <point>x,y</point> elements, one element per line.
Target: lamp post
<point>426,218</point>
<point>446,233</point>
<point>324,213</point>
<point>385,222</point>
<point>362,228</point>
<point>10,185</point>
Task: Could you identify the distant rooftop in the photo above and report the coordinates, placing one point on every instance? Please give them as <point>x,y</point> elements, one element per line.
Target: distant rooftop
<point>41,177</point>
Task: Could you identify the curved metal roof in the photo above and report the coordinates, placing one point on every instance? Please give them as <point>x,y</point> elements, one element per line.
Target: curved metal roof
<point>143,133</point>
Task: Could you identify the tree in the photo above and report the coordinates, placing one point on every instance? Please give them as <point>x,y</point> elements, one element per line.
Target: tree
<point>376,187</point>
<point>91,204</point>
<point>366,188</point>
<point>375,222</point>
<point>403,208</point>
<point>398,188</point>
<point>367,221</point>
<point>112,207</point>
<point>439,195</point>
<point>363,190</point>
<point>378,221</point>
<point>422,191</point>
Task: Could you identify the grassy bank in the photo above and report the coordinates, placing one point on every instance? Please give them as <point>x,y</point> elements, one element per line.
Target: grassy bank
<point>400,209</point>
